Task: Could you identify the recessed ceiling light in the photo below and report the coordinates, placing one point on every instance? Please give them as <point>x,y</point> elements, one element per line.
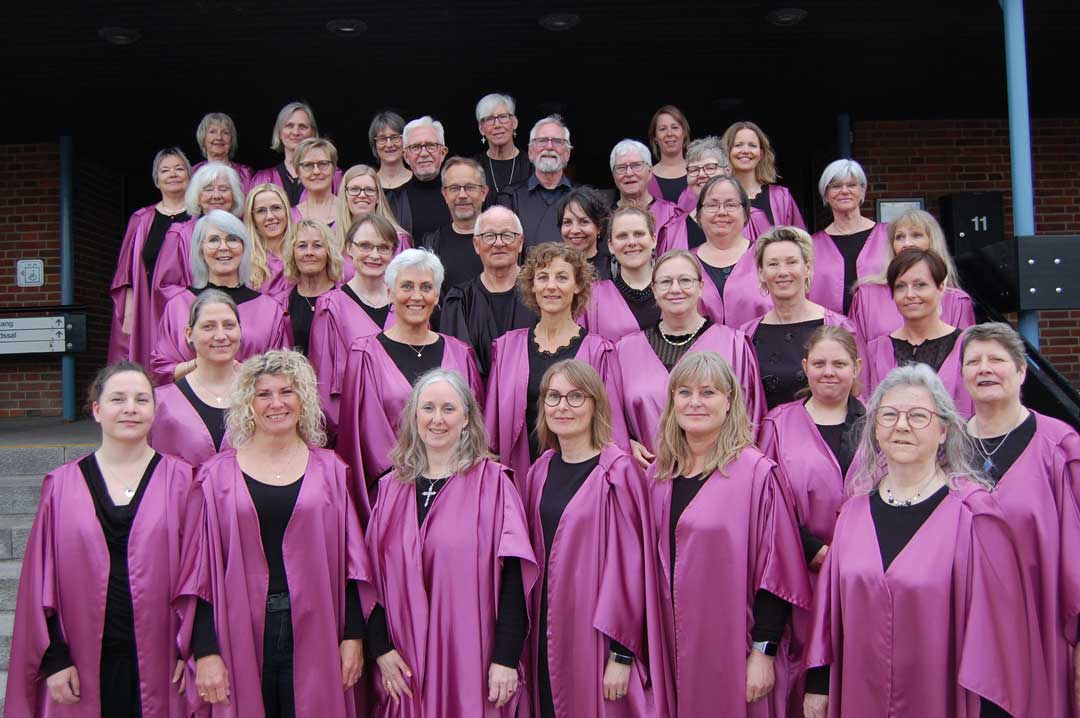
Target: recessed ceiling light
<point>116,35</point>
<point>787,16</point>
<point>560,21</point>
<point>346,26</point>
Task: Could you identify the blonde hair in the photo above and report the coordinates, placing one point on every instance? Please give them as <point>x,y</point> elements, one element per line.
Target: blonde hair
<point>631,211</point>
<point>919,219</point>
<point>315,143</point>
<point>260,270</point>
<point>343,217</point>
<point>830,333</point>
<point>583,377</point>
<point>240,417</point>
<point>409,455</point>
<point>765,171</point>
<point>333,250</point>
<point>796,236</point>
<point>678,254</point>
<point>543,255</point>
<point>673,456</point>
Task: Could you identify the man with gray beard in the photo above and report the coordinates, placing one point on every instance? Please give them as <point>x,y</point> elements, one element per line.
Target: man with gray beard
<point>535,201</point>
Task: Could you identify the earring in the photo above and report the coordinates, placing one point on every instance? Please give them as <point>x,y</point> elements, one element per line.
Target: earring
<point>251,425</point>
<point>763,289</point>
<point>807,283</point>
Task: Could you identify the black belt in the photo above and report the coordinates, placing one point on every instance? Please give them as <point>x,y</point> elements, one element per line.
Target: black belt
<point>277,602</point>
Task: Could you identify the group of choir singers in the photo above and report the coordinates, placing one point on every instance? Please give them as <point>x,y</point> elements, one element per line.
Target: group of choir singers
<point>757,473</point>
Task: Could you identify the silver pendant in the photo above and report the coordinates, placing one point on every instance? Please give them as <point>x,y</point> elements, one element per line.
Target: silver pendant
<point>128,493</point>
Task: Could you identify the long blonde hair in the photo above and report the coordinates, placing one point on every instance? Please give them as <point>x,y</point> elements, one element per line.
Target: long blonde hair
<point>260,270</point>
<point>673,456</point>
<point>920,219</point>
<point>334,264</point>
<point>343,217</point>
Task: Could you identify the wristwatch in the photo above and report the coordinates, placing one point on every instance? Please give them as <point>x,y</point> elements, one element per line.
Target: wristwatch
<point>769,648</point>
<point>623,659</point>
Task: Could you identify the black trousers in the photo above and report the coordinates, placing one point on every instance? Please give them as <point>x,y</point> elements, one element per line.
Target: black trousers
<point>120,696</point>
<point>277,668</point>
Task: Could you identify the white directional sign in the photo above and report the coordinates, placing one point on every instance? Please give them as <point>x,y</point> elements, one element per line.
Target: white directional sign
<point>33,335</point>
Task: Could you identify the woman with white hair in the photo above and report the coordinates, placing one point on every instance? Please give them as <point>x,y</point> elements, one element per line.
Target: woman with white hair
<point>705,158</point>
<point>133,320</point>
<point>295,123</point>
<point>504,165</point>
<point>920,608</point>
<point>217,140</point>
<point>220,259</point>
<point>631,168</point>
<point>380,369</point>
<point>452,563</point>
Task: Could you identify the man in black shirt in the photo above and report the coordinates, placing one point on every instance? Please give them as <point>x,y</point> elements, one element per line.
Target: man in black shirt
<point>486,307</point>
<point>464,188</point>
<point>535,201</point>
<point>422,208</point>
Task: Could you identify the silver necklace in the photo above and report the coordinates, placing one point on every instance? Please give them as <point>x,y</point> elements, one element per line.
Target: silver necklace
<point>431,492</point>
<point>513,166</point>
<point>893,501</point>
<point>988,456</point>
<point>420,351</point>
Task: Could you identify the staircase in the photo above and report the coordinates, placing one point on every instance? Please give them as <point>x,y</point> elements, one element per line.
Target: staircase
<point>29,449</point>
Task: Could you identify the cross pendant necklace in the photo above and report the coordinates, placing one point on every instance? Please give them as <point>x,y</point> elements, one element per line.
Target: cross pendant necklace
<point>430,493</point>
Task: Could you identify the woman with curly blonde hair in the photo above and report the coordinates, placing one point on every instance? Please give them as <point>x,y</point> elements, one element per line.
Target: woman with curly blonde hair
<point>556,283</point>
<point>728,555</point>
<point>281,563</point>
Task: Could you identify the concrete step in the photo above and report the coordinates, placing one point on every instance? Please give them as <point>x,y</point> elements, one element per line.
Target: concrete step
<point>14,530</point>
<point>9,584</point>
<point>19,495</point>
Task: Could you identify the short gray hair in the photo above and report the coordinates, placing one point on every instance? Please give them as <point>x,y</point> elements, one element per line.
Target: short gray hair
<point>623,147</point>
<point>497,210</point>
<point>409,454</point>
<point>957,456</point>
<point>275,141</point>
<point>388,119</point>
<point>550,120</point>
<point>421,122</point>
<point>1000,332</point>
<point>421,259</point>
<point>205,175</point>
<point>216,118</point>
<point>709,145</point>
<point>160,157</point>
<point>488,103</point>
<point>231,226</point>
<point>839,170</point>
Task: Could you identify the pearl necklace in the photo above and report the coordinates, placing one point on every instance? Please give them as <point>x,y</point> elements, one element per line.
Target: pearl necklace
<point>684,342</point>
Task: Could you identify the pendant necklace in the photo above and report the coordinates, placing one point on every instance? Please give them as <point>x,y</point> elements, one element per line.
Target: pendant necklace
<point>431,492</point>
<point>988,456</point>
<point>420,351</point>
<point>510,179</point>
<point>893,501</point>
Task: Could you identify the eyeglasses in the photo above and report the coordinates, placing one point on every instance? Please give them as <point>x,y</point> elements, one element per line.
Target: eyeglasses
<point>429,147</point>
<point>384,250</point>
<point>457,188</point>
<point>686,283</point>
<point>556,142</point>
<point>634,167</point>
<point>387,140</point>
<point>503,118</point>
<point>709,169</point>
<point>323,165</point>
<point>573,398</point>
<point>232,241</point>
<point>714,207</point>
<point>849,186</point>
<point>369,192</point>
<point>489,238</point>
<point>264,210</point>
<point>917,418</point>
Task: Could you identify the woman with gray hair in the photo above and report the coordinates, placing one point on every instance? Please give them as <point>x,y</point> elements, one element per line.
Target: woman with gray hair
<point>380,369</point>
<point>134,320</point>
<point>295,123</point>
<point>452,563</point>
<point>920,608</point>
<point>705,158</point>
<point>220,259</point>
<point>387,147</point>
<point>217,140</point>
<point>504,166</point>
<point>1034,463</point>
<point>274,586</point>
<point>631,168</point>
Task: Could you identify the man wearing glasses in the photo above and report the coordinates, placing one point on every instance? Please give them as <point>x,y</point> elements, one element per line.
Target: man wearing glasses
<point>535,201</point>
<point>464,188</point>
<point>487,306</point>
<point>423,208</point>
<point>631,167</point>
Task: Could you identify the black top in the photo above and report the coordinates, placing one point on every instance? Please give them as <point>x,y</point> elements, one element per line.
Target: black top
<point>719,275</point>
<point>640,302</point>
<point>601,262</point>
<point>932,351</point>
<point>301,312</point>
<point>695,235</point>
<point>771,613</point>
<point>239,294</point>
<point>562,484</point>
<point>456,252</point>
<point>850,245</point>
<point>504,174</point>
<point>156,237</point>
<point>479,317</point>
<point>762,202</point>
<point>212,416</point>
<point>292,185</point>
<point>999,453</point>
<point>779,349</point>
<point>408,363</point>
<point>535,206</point>
<point>274,506</point>
<point>539,361</point>
<point>895,526</point>
<point>377,314</point>
<point>427,205</point>
<point>671,189</point>
<point>669,354</point>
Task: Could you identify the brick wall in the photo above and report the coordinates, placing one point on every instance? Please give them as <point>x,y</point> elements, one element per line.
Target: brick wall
<point>931,158</point>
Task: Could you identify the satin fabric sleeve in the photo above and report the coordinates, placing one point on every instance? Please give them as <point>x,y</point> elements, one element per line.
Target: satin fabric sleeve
<point>781,564</point>
<point>1067,466</point>
<point>609,374</point>
<point>354,392</point>
<point>756,406</point>
<point>168,349</point>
